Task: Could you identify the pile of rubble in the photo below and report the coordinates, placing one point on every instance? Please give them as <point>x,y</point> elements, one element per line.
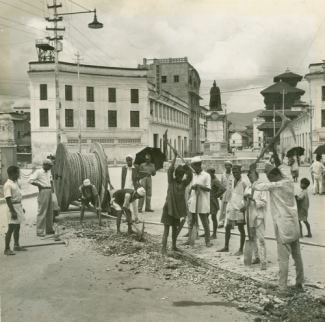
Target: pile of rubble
<point>182,268</point>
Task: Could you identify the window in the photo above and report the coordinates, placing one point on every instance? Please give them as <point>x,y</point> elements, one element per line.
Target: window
<point>43,92</point>
<point>44,117</point>
<point>323,118</point>
<point>68,92</point>
<point>233,141</point>
<point>112,95</point>
<point>90,118</point>
<point>168,113</point>
<point>90,94</point>
<point>18,134</point>
<point>176,78</point>
<point>323,93</point>
<point>69,118</point>
<point>190,80</point>
<point>112,118</point>
<point>134,96</point>
<point>134,119</point>
<point>160,111</point>
<point>164,79</point>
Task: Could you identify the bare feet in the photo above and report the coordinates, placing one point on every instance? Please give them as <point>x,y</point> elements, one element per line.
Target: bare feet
<point>208,245</point>
<point>213,237</point>
<point>186,243</point>
<point>239,253</point>
<point>309,235</point>
<point>223,250</point>
<point>176,249</point>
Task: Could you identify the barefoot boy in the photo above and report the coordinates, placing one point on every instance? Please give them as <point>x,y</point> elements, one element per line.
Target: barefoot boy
<point>303,205</point>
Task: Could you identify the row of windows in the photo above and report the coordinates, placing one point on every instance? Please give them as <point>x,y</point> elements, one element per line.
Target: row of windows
<point>171,114</point>
<point>164,79</point>
<point>90,120</point>
<point>134,94</point>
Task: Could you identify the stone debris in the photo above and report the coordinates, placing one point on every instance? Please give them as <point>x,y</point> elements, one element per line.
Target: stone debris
<point>183,268</point>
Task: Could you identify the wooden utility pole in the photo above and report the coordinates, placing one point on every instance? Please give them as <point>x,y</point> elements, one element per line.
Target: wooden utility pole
<point>56,38</point>
<point>283,92</point>
<point>79,107</point>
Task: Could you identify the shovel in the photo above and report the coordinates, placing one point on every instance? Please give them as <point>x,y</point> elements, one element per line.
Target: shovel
<point>195,226</point>
<point>249,244</point>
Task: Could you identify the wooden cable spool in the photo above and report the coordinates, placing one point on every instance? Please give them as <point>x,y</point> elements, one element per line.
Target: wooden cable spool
<point>71,169</point>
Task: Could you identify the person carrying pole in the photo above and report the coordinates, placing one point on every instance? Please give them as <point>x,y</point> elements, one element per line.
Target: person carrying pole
<point>175,206</point>
<point>285,220</point>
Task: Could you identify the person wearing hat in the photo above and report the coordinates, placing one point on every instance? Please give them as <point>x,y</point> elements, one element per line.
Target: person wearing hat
<point>236,210</point>
<point>145,172</point>
<point>121,201</point>
<point>285,220</point>
<point>217,190</point>
<point>42,179</point>
<point>227,181</point>
<point>129,181</point>
<point>201,182</point>
<point>89,194</point>
<point>175,206</point>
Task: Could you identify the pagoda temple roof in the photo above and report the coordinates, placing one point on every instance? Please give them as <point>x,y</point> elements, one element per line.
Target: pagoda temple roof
<point>269,126</point>
<point>288,75</point>
<point>278,87</point>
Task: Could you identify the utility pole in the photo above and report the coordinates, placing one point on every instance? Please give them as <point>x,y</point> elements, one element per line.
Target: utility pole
<point>79,108</point>
<point>273,120</point>
<point>197,130</point>
<point>283,92</point>
<point>311,131</point>
<point>56,64</point>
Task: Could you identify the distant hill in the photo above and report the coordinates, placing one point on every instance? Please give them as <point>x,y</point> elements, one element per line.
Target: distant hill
<point>240,120</point>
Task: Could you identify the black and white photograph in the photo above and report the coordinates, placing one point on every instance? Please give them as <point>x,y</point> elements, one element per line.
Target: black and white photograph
<point>162,160</point>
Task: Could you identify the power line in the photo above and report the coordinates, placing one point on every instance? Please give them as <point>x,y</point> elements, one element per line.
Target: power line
<point>32,5</point>
<point>312,42</point>
<point>22,30</point>
<point>18,43</point>
<point>21,9</point>
<point>23,24</point>
<point>79,5</point>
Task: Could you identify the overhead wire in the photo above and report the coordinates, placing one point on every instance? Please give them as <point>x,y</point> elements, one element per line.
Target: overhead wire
<point>21,9</point>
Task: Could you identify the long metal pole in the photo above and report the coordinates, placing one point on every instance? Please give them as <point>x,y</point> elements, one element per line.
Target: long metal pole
<point>56,76</point>
<point>273,119</point>
<point>226,130</point>
<point>311,131</point>
<point>197,130</point>
<point>79,109</point>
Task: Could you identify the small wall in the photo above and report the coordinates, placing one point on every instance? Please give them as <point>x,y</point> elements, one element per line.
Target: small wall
<point>219,163</point>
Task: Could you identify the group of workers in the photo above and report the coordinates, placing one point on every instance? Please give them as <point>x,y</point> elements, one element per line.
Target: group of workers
<point>194,193</point>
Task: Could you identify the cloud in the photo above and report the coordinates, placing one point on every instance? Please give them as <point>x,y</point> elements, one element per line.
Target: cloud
<point>6,106</point>
<point>240,45</point>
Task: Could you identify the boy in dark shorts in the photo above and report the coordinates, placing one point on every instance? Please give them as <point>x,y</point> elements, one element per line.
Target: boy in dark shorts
<point>303,205</point>
<point>88,193</point>
<point>175,205</point>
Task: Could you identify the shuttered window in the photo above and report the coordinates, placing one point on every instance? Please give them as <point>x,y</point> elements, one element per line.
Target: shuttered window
<point>323,118</point>
<point>112,95</point>
<point>134,96</point>
<point>323,93</point>
<point>68,92</point>
<point>134,119</point>
<point>90,94</point>
<point>90,118</point>
<point>43,92</point>
<point>69,118</point>
<point>44,117</point>
<point>112,119</point>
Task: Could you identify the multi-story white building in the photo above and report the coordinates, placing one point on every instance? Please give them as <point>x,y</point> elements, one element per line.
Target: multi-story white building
<point>238,139</point>
<point>116,107</point>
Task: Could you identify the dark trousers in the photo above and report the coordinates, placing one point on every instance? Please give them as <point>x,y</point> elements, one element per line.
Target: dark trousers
<point>12,229</point>
<point>205,223</point>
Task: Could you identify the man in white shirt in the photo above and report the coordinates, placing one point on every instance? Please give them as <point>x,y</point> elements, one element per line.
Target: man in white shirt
<point>257,202</point>
<point>285,220</point>
<point>202,181</point>
<point>317,169</point>
<point>42,178</point>
<point>129,181</point>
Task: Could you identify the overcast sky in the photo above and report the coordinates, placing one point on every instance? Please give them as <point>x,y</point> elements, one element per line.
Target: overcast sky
<point>240,44</point>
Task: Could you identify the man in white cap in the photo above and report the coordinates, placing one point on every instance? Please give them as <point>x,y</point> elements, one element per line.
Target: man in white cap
<point>42,179</point>
<point>129,181</point>
<point>88,193</point>
<point>121,200</point>
<point>226,180</point>
<point>285,220</point>
<point>201,182</point>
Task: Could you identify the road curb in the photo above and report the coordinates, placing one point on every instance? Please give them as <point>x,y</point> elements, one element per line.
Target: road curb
<point>28,195</point>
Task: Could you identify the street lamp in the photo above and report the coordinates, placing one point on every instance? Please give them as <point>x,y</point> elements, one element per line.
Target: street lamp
<point>57,17</point>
